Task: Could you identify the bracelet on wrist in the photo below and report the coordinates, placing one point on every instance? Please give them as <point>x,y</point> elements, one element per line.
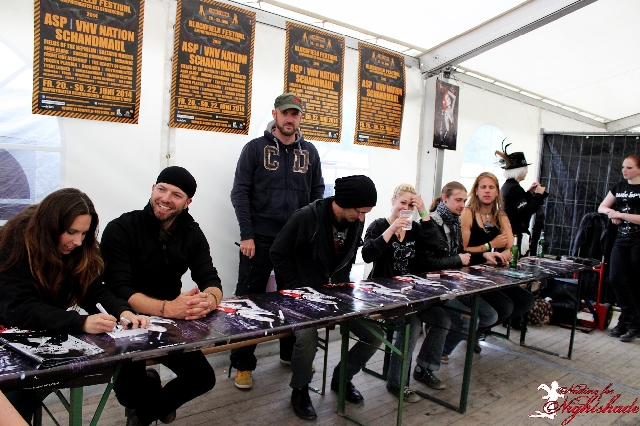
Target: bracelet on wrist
<point>424,213</point>
<point>164,302</point>
<point>487,246</point>
<point>215,297</point>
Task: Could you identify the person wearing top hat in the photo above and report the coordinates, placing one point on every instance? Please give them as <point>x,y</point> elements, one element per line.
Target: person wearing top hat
<point>146,254</point>
<point>277,173</point>
<point>318,246</point>
<point>519,205</point>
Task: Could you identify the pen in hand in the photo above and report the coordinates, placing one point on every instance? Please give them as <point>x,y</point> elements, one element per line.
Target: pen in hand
<point>101,309</point>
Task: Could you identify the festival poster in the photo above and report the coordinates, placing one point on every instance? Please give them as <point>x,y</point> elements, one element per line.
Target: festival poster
<point>212,67</point>
<point>314,71</point>
<point>445,129</point>
<point>87,59</point>
<point>382,85</point>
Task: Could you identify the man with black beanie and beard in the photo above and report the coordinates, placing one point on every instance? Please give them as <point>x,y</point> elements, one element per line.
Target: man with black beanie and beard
<point>318,246</point>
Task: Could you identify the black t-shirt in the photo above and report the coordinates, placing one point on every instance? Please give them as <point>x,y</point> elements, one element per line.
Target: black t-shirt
<point>627,201</point>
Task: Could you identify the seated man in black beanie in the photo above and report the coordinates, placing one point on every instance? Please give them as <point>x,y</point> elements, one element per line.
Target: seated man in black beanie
<point>146,252</point>
<point>318,246</point>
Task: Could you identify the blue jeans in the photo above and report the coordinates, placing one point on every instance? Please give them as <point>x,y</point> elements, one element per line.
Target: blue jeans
<point>623,276</point>
<point>431,350</point>
<point>459,329</point>
<point>304,351</point>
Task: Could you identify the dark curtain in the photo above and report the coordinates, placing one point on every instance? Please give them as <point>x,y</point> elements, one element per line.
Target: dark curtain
<point>578,171</point>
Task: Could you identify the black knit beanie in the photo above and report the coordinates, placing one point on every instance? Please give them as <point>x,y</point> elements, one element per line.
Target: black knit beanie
<point>355,191</point>
<point>180,177</point>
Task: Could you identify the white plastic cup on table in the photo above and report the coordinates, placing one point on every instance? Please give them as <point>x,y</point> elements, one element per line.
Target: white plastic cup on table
<point>407,214</point>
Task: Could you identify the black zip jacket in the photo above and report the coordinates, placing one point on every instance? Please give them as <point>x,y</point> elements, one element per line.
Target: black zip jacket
<point>138,262</point>
<point>302,251</point>
<point>272,181</point>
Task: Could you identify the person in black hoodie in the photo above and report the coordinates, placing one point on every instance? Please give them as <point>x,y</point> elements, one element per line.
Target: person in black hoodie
<point>146,253</point>
<point>318,246</point>
<point>50,261</point>
<point>277,174</point>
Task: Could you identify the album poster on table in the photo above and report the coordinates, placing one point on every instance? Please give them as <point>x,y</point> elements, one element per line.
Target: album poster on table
<point>47,349</point>
<point>212,67</point>
<point>445,130</point>
<point>87,59</point>
<point>314,71</point>
<point>381,93</point>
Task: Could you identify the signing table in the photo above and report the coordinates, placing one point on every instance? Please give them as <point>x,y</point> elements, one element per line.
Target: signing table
<point>246,320</point>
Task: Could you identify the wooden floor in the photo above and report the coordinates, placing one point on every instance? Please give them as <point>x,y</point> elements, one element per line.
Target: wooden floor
<point>503,389</point>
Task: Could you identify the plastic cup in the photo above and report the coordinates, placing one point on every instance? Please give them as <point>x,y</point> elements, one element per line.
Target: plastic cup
<point>407,214</point>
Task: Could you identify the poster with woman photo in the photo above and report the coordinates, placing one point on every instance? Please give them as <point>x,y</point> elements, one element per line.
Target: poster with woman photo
<point>445,130</point>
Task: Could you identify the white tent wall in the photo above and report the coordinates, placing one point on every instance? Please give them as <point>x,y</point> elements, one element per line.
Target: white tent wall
<point>520,123</point>
<point>116,164</point>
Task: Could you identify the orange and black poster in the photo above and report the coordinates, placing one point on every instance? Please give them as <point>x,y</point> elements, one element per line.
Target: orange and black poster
<point>314,70</point>
<point>381,82</point>
<point>87,59</point>
<point>212,67</point>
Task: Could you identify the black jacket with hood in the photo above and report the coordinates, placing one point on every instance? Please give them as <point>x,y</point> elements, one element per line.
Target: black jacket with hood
<point>303,251</point>
<point>272,181</point>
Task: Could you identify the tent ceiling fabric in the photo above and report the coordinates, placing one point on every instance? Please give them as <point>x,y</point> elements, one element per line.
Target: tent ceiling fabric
<point>586,60</point>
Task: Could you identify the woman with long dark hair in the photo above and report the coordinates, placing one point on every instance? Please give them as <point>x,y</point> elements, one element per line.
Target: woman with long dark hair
<point>622,205</point>
<point>49,262</point>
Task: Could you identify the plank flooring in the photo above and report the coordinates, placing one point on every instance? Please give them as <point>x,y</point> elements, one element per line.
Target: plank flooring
<point>503,391</point>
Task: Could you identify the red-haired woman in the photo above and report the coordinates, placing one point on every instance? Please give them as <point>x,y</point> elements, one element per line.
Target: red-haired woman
<point>622,205</point>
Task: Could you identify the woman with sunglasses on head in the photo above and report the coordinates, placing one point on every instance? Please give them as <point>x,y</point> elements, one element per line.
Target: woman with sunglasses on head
<point>49,262</point>
<point>486,228</point>
<point>392,244</point>
<point>622,206</point>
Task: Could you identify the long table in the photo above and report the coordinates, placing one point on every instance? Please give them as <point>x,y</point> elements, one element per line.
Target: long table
<point>242,320</point>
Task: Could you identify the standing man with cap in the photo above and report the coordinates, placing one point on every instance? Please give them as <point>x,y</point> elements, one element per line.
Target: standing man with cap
<point>519,205</point>
<point>146,252</point>
<point>318,246</point>
<point>276,174</point>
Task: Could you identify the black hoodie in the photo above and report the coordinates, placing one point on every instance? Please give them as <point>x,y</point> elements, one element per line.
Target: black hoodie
<point>272,181</point>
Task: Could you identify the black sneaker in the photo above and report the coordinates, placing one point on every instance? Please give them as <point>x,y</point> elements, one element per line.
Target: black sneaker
<point>428,377</point>
<point>301,403</point>
<point>618,330</point>
<point>631,334</point>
